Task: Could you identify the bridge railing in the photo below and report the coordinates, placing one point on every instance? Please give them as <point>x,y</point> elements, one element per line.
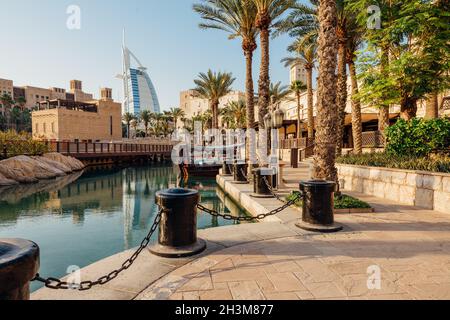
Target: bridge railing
<point>106,148</point>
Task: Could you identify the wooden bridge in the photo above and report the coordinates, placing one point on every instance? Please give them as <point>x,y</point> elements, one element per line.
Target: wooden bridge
<point>100,153</point>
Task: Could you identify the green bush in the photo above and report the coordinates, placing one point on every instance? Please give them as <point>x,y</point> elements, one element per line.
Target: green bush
<point>20,144</point>
<point>433,163</point>
<point>340,202</point>
<point>418,137</point>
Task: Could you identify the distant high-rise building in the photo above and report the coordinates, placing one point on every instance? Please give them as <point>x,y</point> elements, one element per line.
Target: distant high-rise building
<point>139,91</point>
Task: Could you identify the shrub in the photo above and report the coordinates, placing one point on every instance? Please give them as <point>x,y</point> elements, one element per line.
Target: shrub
<point>418,137</point>
<point>433,163</point>
<point>20,144</point>
<point>340,202</point>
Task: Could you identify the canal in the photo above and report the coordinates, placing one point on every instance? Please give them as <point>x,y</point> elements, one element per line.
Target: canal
<point>82,218</point>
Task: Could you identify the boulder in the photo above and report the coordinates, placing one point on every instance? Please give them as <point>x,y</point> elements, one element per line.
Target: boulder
<point>55,164</point>
<point>23,168</point>
<point>4,181</point>
<point>74,164</point>
<point>19,174</point>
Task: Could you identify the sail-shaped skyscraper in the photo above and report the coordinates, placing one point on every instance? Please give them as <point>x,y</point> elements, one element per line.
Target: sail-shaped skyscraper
<point>139,91</point>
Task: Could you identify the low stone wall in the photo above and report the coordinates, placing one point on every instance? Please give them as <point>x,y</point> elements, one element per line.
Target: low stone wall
<point>416,188</point>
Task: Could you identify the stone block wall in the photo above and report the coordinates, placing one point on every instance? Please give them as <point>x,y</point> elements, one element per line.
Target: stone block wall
<point>416,188</point>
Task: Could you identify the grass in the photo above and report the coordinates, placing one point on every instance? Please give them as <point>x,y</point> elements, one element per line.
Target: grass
<point>340,202</point>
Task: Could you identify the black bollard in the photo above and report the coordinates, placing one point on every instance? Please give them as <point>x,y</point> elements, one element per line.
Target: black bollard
<point>260,185</point>
<point>178,227</point>
<point>239,170</point>
<point>226,169</point>
<point>19,264</point>
<point>318,206</point>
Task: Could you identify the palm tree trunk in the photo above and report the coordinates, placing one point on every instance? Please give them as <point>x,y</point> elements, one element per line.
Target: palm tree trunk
<point>325,150</point>
<point>341,100</point>
<point>264,78</point>
<point>356,111</point>
<point>383,113</point>
<point>250,106</point>
<point>310,103</point>
<point>408,109</point>
<point>128,130</point>
<point>215,116</point>
<point>432,107</point>
<point>299,120</point>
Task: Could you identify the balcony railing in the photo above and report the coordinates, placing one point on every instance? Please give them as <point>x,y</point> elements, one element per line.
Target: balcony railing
<point>373,139</point>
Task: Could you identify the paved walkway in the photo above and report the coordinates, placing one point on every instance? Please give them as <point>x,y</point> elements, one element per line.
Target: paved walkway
<point>411,249</point>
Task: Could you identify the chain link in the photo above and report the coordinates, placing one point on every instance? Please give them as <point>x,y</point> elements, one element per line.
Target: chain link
<point>57,284</point>
<point>229,217</point>
<point>269,186</point>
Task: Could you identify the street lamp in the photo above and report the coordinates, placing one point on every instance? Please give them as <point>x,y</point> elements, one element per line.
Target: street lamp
<point>278,118</point>
<point>268,121</point>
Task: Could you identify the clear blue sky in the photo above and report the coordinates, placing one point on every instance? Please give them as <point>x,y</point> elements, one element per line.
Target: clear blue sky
<point>38,49</point>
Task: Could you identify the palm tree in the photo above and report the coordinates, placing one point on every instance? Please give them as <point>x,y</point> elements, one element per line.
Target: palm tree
<point>298,87</point>
<point>354,40</point>
<point>158,118</point>
<point>306,51</point>
<point>177,113</point>
<point>16,115</point>
<point>278,92</point>
<point>237,17</point>
<point>6,102</point>
<point>213,86</point>
<point>135,123</point>
<point>127,118</point>
<point>269,17</point>
<point>21,101</point>
<point>432,107</point>
<point>325,149</point>
<point>146,118</point>
<point>234,114</point>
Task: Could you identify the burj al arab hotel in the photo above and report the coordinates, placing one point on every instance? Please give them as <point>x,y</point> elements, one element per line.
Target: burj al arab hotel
<point>139,91</point>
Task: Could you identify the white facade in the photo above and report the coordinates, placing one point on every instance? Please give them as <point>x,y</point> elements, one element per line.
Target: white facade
<point>139,91</point>
<point>298,73</point>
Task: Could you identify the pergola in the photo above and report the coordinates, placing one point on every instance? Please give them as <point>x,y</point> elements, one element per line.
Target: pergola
<point>67,104</point>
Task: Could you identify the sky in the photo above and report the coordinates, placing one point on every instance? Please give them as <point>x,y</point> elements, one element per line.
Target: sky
<point>38,48</point>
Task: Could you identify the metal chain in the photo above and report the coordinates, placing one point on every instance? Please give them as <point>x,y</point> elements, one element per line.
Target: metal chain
<point>272,191</point>
<point>248,219</point>
<point>56,284</point>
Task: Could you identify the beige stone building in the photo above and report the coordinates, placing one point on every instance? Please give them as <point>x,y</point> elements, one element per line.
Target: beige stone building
<point>192,105</point>
<point>369,114</point>
<point>65,120</point>
<point>35,95</point>
<point>6,87</point>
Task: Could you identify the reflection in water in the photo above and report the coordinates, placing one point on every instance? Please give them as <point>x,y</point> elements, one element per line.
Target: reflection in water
<point>85,217</point>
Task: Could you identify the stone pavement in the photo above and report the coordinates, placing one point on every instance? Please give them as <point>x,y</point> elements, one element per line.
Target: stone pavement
<point>274,259</point>
<point>410,248</point>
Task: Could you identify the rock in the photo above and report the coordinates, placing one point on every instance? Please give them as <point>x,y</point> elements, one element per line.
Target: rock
<point>20,174</point>
<point>24,168</point>
<point>55,164</point>
<point>74,164</point>
<point>7,182</point>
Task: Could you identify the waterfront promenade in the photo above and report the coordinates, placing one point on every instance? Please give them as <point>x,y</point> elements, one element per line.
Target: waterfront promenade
<point>274,259</point>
